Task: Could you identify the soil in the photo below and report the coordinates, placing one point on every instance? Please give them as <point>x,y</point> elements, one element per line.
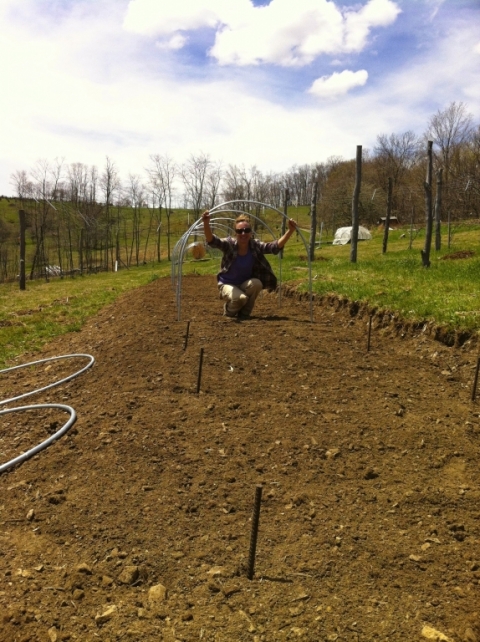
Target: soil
<point>136,525</point>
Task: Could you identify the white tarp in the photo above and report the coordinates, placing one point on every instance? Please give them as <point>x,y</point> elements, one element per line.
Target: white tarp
<point>344,235</point>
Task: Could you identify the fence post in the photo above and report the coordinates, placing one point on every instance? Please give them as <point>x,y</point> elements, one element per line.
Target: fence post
<point>21,214</point>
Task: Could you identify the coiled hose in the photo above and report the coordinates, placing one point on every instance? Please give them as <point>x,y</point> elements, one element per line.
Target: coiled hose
<point>73,415</point>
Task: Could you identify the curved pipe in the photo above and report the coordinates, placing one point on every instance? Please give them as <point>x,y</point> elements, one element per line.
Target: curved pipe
<point>51,385</point>
<point>197,228</point>
<point>33,451</point>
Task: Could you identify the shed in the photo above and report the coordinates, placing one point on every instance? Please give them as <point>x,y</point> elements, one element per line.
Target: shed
<point>344,235</point>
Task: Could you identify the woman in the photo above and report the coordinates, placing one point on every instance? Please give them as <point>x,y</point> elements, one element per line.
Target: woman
<point>244,269</point>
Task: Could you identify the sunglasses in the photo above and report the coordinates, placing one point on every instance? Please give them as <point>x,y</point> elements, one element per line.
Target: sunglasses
<point>244,230</point>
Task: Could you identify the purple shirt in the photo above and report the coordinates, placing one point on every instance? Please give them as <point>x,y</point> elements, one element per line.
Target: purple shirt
<point>239,271</point>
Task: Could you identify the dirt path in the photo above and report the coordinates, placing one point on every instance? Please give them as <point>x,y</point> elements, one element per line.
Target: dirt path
<point>136,526</point>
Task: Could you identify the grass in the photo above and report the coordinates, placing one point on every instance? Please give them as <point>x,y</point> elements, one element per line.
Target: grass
<point>32,317</point>
<point>446,293</point>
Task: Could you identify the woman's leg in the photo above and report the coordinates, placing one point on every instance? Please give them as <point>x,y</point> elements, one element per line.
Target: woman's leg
<point>235,299</point>
<point>252,289</point>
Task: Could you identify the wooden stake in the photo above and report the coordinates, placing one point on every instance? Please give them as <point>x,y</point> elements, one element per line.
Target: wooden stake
<point>369,333</point>
<point>200,371</point>
<point>254,534</point>
<point>475,380</point>
<point>186,336</point>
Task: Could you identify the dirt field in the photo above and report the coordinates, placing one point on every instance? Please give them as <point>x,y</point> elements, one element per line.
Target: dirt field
<point>136,525</point>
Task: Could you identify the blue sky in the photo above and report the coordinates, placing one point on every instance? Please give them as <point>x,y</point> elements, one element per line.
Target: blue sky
<point>270,84</point>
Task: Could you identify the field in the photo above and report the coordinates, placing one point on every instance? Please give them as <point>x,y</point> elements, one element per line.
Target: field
<point>136,525</point>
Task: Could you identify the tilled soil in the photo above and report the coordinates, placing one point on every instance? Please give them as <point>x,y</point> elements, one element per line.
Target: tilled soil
<point>137,524</point>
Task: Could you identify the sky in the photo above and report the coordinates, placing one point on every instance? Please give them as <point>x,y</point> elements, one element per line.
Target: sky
<point>270,83</point>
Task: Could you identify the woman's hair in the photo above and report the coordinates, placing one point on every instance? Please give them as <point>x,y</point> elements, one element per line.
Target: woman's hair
<point>243,218</point>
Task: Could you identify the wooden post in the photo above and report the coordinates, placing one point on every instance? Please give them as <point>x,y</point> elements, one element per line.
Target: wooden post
<point>199,378</point>
<point>355,200</point>
<point>285,212</point>
<point>80,251</point>
<point>387,220</point>
<point>21,215</point>
<point>313,219</point>
<point>428,208</point>
<point>438,211</point>
<point>254,532</point>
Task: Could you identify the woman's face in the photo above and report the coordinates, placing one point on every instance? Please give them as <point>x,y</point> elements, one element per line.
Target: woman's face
<point>243,232</point>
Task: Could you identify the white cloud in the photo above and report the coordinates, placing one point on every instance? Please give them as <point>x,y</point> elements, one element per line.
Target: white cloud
<point>358,24</point>
<point>177,41</point>
<point>273,33</point>
<point>338,84</point>
<point>157,17</point>
<point>83,87</point>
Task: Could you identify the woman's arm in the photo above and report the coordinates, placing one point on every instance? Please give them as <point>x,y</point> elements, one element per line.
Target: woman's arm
<point>206,226</point>
<point>292,226</point>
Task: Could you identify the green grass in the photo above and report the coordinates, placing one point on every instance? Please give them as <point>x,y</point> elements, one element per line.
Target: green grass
<point>446,293</point>
<point>31,318</point>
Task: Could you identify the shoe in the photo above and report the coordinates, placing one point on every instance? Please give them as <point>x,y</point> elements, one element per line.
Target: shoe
<point>226,312</point>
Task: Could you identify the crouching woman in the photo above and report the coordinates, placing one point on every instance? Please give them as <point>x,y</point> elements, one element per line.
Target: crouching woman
<point>244,270</point>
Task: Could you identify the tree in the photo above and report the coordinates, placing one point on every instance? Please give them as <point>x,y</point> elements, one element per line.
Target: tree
<point>450,128</point>
<point>110,184</point>
<point>23,186</point>
<point>395,155</point>
<point>162,173</point>
<point>194,174</point>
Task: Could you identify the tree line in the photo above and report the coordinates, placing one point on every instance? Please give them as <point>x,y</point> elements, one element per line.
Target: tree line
<point>82,219</point>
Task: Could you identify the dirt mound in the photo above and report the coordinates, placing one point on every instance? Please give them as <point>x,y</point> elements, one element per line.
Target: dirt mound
<point>136,525</point>
<point>463,254</point>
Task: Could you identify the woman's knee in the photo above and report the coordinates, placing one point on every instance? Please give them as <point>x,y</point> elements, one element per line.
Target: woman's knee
<point>255,285</point>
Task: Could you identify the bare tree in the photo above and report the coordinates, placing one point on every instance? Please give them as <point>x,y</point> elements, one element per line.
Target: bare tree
<point>136,196</point>
<point>449,128</point>
<point>162,173</point>
<point>212,185</point>
<point>395,155</point>
<point>110,184</point>
<point>194,174</point>
<point>22,184</point>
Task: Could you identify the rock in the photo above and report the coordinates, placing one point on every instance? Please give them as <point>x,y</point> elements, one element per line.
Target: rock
<point>469,636</point>
<point>30,514</point>
<point>215,571</point>
<point>432,634</point>
<point>230,589</point>
<point>107,581</point>
<point>83,568</point>
<point>106,615</point>
<point>214,586</point>
<point>332,453</point>
<point>78,594</point>
<point>52,634</point>
<point>157,594</point>
<point>129,575</point>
